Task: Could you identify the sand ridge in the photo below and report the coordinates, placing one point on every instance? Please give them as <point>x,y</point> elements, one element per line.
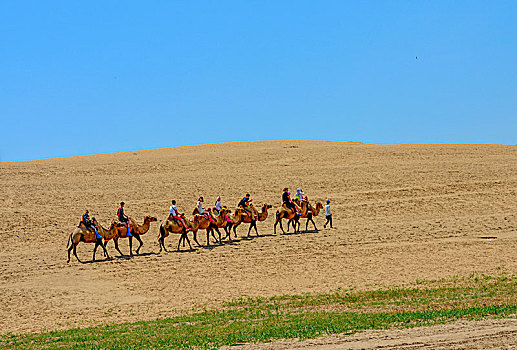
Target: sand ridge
<point>402,213</point>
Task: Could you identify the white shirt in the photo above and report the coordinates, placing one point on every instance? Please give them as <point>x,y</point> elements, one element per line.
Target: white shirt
<point>200,208</point>
<point>327,210</point>
<point>218,205</point>
<point>174,210</point>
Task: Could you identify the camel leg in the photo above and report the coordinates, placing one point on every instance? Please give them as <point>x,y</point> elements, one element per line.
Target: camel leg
<point>95,248</point>
<point>208,237</point>
<point>253,224</point>
<point>227,233</point>
<point>313,223</point>
<point>229,230</point>
<point>130,245</point>
<point>105,250</point>
<point>75,253</point>
<point>69,250</point>
<point>188,241</point>
<point>280,222</point>
<point>162,244</point>
<point>218,232</point>
<point>235,228</point>
<point>181,238</point>
<point>115,240</point>
<point>289,222</point>
<point>195,238</point>
<point>104,247</point>
<point>140,242</point>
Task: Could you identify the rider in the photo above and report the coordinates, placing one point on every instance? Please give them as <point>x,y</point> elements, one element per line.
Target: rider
<point>245,204</point>
<point>286,199</point>
<point>89,224</point>
<point>123,218</point>
<point>299,194</point>
<point>218,206</point>
<point>176,214</point>
<point>202,210</point>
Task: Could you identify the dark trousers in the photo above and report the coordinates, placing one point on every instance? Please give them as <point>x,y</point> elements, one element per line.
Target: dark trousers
<point>329,219</point>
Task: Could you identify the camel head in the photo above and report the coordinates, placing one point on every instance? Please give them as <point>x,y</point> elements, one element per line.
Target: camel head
<point>150,219</point>
<point>266,207</point>
<point>196,221</point>
<point>319,206</point>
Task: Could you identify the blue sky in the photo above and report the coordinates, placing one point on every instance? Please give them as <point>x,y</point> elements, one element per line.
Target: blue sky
<point>105,76</point>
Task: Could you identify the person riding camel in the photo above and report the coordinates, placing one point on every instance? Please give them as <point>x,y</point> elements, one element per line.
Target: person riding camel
<point>176,215</point>
<point>286,200</point>
<point>122,218</point>
<point>299,194</point>
<point>89,224</point>
<point>245,204</point>
<point>218,206</point>
<point>203,211</point>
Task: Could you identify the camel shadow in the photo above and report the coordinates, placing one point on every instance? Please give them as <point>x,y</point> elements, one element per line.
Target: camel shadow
<point>95,261</point>
<point>144,254</point>
<point>209,247</point>
<point>299,232</point>
<point>252,237</point>
<point>231,242</point>
<point>181,251</point>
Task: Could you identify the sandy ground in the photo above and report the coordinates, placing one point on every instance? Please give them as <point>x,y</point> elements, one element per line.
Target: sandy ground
<point>488,334</point>
<point>401,213</point>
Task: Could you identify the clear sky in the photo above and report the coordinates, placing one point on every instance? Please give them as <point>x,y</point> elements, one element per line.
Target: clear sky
<point>83,77</point>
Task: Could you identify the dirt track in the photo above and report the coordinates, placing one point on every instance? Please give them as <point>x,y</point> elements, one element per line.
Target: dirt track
<point>402,213</point>
<point>488,334</point>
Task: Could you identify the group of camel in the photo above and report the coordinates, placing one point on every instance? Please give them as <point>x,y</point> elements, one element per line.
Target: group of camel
<point>225,219</point>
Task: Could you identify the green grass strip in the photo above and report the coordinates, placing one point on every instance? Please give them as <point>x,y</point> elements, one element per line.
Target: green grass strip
<point>294,316</point>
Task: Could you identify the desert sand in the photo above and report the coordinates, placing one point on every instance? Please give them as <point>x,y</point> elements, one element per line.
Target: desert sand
<point>401,213</point>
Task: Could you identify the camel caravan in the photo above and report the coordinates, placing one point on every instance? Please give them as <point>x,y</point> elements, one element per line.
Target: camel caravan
<point>212,220</point>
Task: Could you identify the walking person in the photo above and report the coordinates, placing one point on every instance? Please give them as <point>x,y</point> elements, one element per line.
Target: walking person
<point>328,215</point>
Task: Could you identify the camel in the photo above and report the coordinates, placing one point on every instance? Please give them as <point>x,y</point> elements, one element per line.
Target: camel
<point>286,213</point>
<point>136,230</point>
<point>307,211</point>
<point>209,226</point>
<point>82,234</point>
<point>220,221</point>
<point>171,226</point>
<point>247,218</point>
<point>235,219</point>
<point>302,207</point>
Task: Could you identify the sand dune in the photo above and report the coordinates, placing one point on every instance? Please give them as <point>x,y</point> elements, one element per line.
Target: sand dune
<point>402,213</point>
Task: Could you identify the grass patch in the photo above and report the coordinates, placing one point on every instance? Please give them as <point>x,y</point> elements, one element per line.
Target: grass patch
<point>296,316</point>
